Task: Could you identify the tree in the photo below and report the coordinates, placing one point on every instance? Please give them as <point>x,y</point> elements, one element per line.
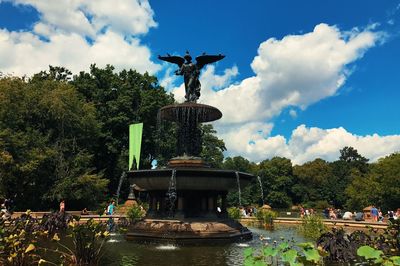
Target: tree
<point>121,99</point>
<point>249,194</point>
<point>379,187</point>
<point>277,178</point>
<point>45,131</point>
<point>213,147</point>
<point>351,156</point>
<point>313,183</point>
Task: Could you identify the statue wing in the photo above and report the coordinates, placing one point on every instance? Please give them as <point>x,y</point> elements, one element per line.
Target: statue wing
<point>203,60</point>
<point>173,59</point>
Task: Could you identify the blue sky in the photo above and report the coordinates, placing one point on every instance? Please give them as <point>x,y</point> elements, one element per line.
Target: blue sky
<point>300,79</point>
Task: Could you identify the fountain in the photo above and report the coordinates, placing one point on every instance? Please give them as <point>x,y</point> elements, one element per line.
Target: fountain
<point>187,200</point>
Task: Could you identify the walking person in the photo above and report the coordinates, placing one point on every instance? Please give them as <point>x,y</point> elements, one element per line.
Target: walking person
<point>374,213</point>
<point>110,211</point>
<point>111,208</point>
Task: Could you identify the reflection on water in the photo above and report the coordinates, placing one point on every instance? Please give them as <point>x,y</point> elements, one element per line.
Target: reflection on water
<point>121,252</point>
<point>167,247</point>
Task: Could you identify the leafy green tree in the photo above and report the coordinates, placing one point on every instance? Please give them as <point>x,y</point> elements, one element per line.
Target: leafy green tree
<point>213,147</point>
<point>121,99</point>
<point>351,156</point>
<point>249,194</point>
<point>277,179</point>
<point>379,187</point>
<point>312,182</point>
<point>45,129</point>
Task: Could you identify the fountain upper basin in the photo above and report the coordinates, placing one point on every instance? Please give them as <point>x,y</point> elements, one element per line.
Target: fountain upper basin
<point>199,112</point>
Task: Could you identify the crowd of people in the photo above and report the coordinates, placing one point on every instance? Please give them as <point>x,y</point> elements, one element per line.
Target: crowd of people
<point>248,211</point>
<point>375,214</point>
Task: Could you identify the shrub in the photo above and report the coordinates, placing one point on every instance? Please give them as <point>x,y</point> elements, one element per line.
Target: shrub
<point>312,226</point>
<point>234,213</point>
<point>266,216</point>
<point>18,241</point>
<point>135,213</point>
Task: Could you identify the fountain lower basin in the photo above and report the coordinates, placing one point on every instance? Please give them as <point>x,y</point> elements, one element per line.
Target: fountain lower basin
<point>188,231</point>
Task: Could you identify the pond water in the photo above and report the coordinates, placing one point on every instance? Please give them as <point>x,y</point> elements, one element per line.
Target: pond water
<point>122,252</point>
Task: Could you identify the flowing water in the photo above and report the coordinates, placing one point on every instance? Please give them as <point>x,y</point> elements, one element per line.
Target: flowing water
<point>239,191</point>
<point>261,189</point>
<point>122,252</point>
<point>121,179</point>
<point>171,193</point>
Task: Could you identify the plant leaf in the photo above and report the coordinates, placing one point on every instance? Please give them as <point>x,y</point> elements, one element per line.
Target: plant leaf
<point>270,251</point>
<point>30,248</point>
<point>369,253</point>
<point>289,256</point>
<point>248,252</point>
<point>312,255</point>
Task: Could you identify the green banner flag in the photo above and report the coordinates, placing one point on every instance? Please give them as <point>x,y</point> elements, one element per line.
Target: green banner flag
<point>135,143</point>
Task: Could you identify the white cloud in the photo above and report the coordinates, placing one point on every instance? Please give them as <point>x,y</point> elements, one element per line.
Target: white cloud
<point>77,33</point>
<point>296,71</point>
<point>293,113</point>
<point>307,144</point>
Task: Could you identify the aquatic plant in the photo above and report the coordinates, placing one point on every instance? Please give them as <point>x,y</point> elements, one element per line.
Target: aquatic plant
<point>266,216</point>
<point>341,246</point>
<point>284,253</point>
<point>88,241</point>
<point>234,213</point>
<point>135,213</point>
<point>312,226</point>
<point>18,241</point>
<point>374,256</point>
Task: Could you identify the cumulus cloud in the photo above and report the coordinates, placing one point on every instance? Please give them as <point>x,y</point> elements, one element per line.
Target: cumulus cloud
<point>296,71</point>
<point>77,33</point>
<point>306,144</point>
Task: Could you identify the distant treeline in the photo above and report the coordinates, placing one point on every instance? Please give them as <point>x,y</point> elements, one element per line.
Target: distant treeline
<point>65,136</point>
<point>349,183</point>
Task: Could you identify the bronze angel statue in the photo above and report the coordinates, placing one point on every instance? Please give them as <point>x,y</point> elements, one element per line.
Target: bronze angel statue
<point>191,71</point>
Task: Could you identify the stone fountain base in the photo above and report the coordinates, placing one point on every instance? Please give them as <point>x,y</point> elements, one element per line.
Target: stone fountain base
<point>188,231</point>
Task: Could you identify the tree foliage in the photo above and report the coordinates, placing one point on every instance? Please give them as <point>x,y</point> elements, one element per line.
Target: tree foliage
<point>46,133</point>
<point>65,136</point>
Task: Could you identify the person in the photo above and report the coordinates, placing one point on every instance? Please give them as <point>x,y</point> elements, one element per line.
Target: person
<point>332,214</point>
<point>374,213</point>
<point>84,212</point>
<point>111,208</point>
<point>301,212</point>
<point>326,213</point>
<point>243,212</point>
<point>7,204</point>
<point>359,216</point>
<point>380,216</point>
<point>339,214</point>
<point>347,215</point>
<point>4,214</point>
<point>62,206</point>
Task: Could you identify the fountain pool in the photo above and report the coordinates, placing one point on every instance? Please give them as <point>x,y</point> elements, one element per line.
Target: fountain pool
<point>122,252</point>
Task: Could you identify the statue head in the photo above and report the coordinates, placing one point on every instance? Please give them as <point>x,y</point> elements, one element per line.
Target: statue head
<point>187,57</point>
